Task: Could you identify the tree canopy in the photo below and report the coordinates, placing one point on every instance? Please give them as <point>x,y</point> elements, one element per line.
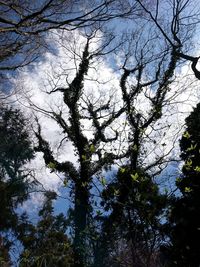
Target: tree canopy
<point>185,210</point>
<point>15,181</point>
<point>106,86</point>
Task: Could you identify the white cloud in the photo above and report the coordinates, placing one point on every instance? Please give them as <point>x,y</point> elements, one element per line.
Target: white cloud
<point>52,72</point>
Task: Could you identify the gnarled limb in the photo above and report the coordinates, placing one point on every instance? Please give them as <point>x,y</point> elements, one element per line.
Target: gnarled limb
<point>64,167</point>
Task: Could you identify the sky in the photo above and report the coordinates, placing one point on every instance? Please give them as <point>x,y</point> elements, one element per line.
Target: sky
<point>33,82</point>
<point>32,85</point>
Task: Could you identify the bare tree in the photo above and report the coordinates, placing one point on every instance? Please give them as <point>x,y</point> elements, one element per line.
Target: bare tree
<point>25,24</point>
<point>183,23</point>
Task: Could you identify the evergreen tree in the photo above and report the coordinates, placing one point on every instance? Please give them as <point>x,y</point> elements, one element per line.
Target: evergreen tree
<point>132,230</point>
<point>185,215</point>
<point>15,151</point>
<point>46,244</point>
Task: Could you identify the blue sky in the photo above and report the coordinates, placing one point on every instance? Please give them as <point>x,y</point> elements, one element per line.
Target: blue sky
<point>51,70</point>
<point>34,82</point>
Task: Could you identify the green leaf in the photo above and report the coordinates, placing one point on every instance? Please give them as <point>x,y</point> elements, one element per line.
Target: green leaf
<point>197,169</point>
<point>51,165</point>
<point>84,184</point>
<point>98,212</point>
<point>178,179</point>
<point>187,189</point>
<point>142,131</point>
<point>84,157</point>
<point>122,170</point>
<point>186,135</point>
<point>135,148</point>
<point>188,164</point>
<point>92,148</point>
<point>65,182</point>
<point>116,192</point>
<point>135,177</point>
<point>192,147</point>
<point>166,191</point>
<point>103,181</point>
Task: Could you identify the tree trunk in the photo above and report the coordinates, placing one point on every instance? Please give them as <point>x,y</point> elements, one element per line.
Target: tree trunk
<point>80,222</point>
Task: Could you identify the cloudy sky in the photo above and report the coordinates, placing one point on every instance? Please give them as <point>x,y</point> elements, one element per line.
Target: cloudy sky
<point>102,81</point>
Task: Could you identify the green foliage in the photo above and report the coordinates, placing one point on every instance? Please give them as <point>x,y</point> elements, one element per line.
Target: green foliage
<point>185,215</point>
<point>51,165</point>
<point>187,189</point>
<point>135,177</point>
<point>197,168</point>
<point>186,135</point>
<point>15,151</point>
<point>135,206</point>
<point>135,148</point>
<point>84,157</point>
<point>15,144</point>
<point>65,182</point>
<point>46,244</point>
<point>122,170</point>
<point>92,148</point>
<point>103,181</point>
